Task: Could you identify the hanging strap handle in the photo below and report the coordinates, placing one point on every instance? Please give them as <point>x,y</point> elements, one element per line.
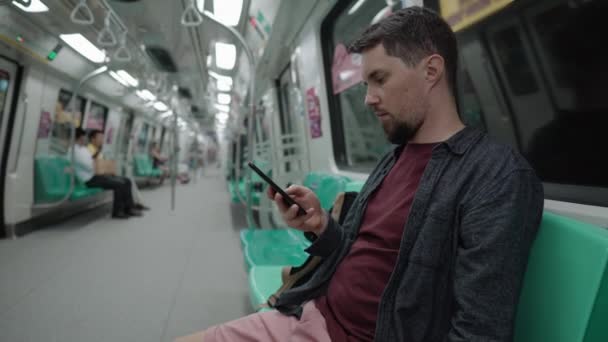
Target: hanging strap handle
<point>85,12</point>
<point>123,54</point>
<point>106,37</point>
<point>191,16</point>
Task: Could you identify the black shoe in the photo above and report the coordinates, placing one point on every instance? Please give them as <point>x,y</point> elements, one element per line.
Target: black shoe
<point>120,215</point>
<point>134,212</point>
<point>141,207</point>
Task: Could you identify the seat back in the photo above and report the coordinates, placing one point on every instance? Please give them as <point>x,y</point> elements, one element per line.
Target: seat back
<point>354,186</point>
<point>565,290</point>
<point>329,188</point>
<point>51,182</point>
<point>313,180</point>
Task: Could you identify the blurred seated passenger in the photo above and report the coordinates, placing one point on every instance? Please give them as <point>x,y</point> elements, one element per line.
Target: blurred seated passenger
<point>158,160</point>
<point>84,167</point>
<point>106,167</point>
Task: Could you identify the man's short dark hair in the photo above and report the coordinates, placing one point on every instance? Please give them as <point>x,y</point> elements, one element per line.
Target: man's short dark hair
<point>93,133</point>
<point>79,133</point>
<point>411,34</point>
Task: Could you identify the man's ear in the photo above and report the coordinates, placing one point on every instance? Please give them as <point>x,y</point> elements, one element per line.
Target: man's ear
<point>434,69</point>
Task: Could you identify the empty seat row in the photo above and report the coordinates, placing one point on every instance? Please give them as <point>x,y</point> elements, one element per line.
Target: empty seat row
<point>143,167</point>
<point>267,251</point>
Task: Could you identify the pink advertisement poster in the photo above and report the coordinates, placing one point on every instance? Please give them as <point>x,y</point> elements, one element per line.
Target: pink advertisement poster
<point>314,113</point>
<point>345,69</point>
<point>44,127</point>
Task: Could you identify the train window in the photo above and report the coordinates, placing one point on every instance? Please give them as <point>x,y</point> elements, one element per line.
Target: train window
<point>570,148</point>
<point>512,56</point>
<point>359,140</point>
<point>468,100</point>
<point>142,139</point>
<point>4,81</point>
<point>60,134</point>
<point>97,117</point>
<point>126,133</point>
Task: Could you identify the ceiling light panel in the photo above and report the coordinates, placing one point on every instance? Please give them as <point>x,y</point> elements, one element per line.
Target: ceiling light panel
<point>35,6</point>
<point>225,55</point>
<point>83,46</point>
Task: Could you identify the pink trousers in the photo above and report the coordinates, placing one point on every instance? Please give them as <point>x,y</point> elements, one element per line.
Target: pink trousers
<point>268,327</point>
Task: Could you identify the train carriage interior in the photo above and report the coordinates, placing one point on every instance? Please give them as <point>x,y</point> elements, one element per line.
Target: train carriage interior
<point>167,231</point>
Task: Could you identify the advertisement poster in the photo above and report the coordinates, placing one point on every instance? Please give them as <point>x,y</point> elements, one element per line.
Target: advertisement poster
<point>345,69</point>
<point>314,113</point>
<point>44,127</point>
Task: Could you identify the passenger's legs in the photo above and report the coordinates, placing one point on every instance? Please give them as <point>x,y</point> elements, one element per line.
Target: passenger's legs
<point>268,326</point>
<point>119,204</point>
<point>126,191</point>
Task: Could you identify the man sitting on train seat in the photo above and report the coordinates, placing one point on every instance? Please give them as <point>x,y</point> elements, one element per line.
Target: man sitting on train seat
<point>158,160</point>
<point>84,166</point>
<point>435,246</point>
<point>107,167</point>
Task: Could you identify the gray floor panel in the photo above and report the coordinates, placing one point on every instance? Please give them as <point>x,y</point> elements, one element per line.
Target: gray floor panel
<point>145,279</point>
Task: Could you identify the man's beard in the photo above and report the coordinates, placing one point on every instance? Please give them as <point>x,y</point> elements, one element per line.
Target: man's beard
<point>402,132</point>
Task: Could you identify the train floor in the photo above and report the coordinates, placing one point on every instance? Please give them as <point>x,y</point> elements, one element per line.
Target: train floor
<point>94,279</point>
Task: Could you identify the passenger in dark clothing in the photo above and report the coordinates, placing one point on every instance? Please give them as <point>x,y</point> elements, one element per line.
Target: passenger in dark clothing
<point>84,164</point>
<point>435,246</point>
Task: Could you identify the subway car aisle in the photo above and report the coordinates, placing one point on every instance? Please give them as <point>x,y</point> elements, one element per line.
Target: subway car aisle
<point>144,279</point>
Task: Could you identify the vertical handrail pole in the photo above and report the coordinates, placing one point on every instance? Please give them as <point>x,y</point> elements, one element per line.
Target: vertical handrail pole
<point>174,160</point>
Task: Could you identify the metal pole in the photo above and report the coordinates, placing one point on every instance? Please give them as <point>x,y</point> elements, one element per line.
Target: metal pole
<point>72,108</point>
<point>174,160</point>
<point>250,137</point>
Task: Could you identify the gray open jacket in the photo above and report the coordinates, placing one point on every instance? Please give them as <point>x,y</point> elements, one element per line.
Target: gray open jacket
<point>464,248</point>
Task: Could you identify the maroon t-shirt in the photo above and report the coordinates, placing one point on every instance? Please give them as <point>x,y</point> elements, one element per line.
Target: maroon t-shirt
<point>351,304</point>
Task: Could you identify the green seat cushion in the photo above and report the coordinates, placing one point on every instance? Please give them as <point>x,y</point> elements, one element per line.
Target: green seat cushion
<point>565,291</point>
<point>275,255</point>
<point>263,282</point>
<point>82,192</point>
<point>51,182</point>
<point>329,188</point>
<point>354,186</point>
<point>270,237</point>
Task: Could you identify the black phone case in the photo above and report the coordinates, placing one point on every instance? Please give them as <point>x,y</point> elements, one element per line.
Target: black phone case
<point>286,198</point>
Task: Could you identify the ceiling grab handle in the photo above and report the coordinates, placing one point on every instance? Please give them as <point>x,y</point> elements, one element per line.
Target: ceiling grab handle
<point>192,17</point>
<point>250,138</point>
<point>82,14</point>
<point>122,54</point>
<point>72,108</point>
<point>106,37</point>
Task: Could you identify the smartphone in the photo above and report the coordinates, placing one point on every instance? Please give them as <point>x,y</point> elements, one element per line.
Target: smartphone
<point>286,198</point>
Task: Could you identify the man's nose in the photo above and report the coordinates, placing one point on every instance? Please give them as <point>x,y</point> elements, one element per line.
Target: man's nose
<point>371,99</point>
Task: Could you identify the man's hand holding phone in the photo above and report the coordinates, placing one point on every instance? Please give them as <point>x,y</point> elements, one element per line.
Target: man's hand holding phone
<point>314,221</point>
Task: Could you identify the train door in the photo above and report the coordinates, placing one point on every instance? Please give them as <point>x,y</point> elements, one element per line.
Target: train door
<point>291,116</point>
<point>8,81</point>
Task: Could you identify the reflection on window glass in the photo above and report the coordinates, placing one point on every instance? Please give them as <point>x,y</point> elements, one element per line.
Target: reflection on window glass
<point>65,118</point>
<point>97,117</point>
<point>572,148</point>
<point>470,107</point>
<point>512,57</point>
<point>364,139</point>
